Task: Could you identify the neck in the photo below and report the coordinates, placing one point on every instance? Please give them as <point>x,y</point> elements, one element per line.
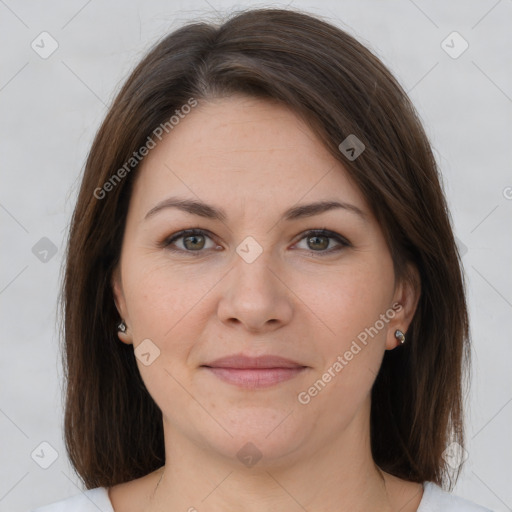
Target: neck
<point>338,476</point>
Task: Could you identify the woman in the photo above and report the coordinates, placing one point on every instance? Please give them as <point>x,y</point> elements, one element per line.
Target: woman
<point>264,303</point>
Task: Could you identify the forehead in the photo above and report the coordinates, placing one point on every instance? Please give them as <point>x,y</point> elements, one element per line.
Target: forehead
<point>243,147</point>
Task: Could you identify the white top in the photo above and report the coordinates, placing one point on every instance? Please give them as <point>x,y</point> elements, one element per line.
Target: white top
<point>94,500</point>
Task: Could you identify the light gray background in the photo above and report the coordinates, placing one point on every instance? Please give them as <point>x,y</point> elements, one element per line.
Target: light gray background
<point>51,109</point>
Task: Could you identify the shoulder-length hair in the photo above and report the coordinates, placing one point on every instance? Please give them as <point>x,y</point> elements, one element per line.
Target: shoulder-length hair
<point>113,428</point>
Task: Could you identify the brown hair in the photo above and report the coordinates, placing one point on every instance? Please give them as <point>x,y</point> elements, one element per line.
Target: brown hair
<point>113,428</point>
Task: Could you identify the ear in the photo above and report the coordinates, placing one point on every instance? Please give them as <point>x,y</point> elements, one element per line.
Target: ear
<point>405,301</point>
<point>119,299</point>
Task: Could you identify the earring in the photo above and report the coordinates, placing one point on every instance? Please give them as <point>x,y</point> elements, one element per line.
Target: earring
<point>121,327</point>
<point>399,335</point>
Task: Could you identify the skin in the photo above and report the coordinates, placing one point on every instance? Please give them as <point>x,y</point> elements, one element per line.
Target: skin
<point>255,159</point>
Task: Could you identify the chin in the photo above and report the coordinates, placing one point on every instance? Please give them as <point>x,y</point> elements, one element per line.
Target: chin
<point>262,438</point>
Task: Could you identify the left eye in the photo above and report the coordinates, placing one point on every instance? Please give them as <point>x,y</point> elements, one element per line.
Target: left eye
<point>319,241</point>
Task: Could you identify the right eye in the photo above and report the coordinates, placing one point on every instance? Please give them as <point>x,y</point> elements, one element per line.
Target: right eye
<point>191,241</point>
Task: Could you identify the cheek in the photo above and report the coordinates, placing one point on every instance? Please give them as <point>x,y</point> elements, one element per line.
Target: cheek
<point>166,306</point>
<point>169,304</point>
<point>349,305</point>
<point>346,301</point>
<point>161,296</point>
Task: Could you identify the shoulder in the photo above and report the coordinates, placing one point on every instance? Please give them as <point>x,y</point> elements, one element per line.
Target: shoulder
<point>91,500</point>
<point>435,499</point>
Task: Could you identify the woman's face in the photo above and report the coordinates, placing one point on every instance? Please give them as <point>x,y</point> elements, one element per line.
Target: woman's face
<point>254,281</point>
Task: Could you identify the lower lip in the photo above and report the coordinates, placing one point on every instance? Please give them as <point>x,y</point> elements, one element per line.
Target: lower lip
<point>252,378</point>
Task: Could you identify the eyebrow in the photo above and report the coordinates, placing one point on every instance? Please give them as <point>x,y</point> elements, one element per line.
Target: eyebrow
<point>208,211</point>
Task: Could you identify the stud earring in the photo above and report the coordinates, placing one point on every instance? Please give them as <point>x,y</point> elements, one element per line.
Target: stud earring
<point>399,335</point>
<point>122,327</point>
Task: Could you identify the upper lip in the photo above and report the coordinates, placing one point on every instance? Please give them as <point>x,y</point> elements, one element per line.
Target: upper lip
<point>241,361</point>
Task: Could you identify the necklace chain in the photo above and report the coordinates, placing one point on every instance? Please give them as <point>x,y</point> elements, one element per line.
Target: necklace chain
<point>154,492</point>
<point>160,479</point>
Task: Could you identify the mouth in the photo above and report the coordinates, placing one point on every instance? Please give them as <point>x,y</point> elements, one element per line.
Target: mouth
<point>254,372</point>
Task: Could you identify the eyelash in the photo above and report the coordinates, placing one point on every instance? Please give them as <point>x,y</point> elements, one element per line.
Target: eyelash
<point>167,243</point>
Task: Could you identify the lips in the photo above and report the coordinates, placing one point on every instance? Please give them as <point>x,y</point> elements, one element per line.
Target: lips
<point>243,362</point>
<point>254,372</point>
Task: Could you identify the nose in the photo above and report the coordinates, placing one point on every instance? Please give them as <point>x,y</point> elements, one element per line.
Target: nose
<point>255,296</point>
